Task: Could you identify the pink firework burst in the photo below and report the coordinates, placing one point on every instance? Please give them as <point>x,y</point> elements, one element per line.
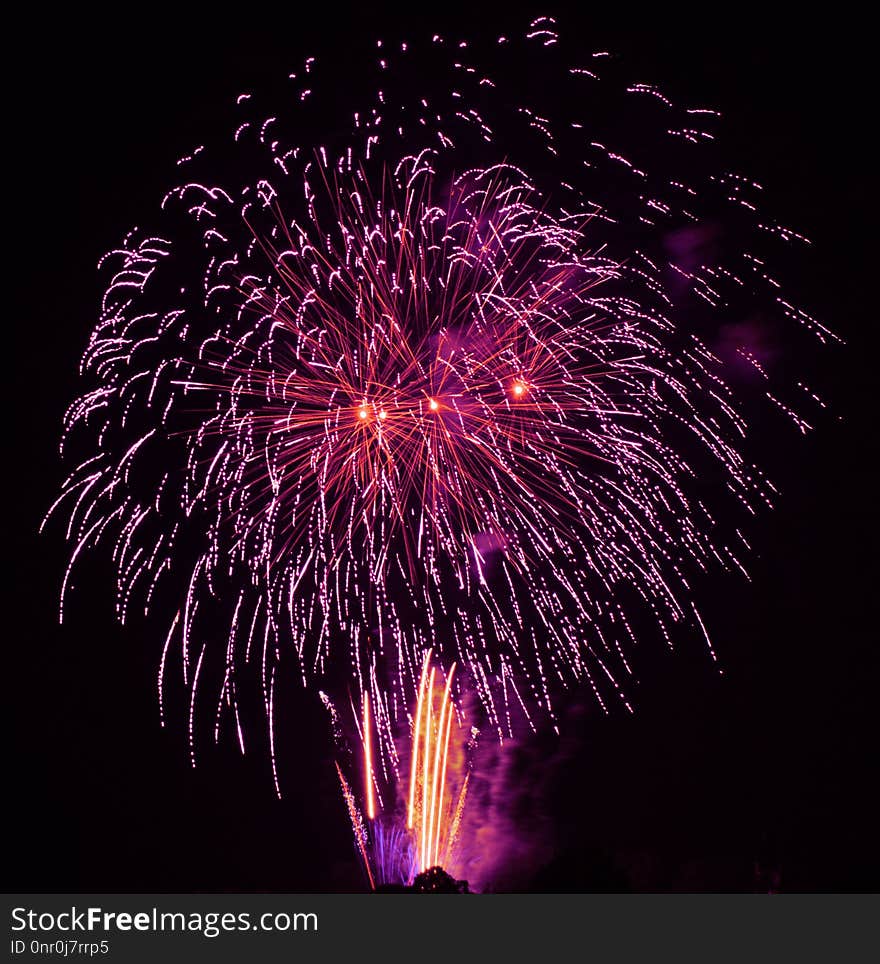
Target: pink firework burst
<point>444,379</point>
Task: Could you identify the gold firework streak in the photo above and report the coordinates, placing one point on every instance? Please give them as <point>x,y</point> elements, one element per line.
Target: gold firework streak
<point>430,817</point>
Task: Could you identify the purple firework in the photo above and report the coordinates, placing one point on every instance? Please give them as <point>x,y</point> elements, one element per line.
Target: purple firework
<point>436,371</point>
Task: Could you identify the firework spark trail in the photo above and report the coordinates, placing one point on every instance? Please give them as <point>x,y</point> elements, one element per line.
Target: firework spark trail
<point>357,824</point>
<point>443,380</point>
<point>414,755</point>
<point>455,824</point>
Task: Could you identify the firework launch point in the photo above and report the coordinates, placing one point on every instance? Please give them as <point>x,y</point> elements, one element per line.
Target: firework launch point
<point>435,880</point>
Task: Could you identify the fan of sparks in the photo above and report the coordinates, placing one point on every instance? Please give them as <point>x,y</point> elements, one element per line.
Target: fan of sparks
<point>422,830</point>
<point>423,384</point>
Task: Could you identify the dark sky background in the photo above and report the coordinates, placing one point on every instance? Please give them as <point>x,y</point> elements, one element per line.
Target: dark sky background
<point>772,763</point>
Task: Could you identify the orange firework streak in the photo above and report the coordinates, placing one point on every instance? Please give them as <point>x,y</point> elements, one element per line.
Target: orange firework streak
<point>428,815</point>
<point>426,756</point>
<point>368,760</point>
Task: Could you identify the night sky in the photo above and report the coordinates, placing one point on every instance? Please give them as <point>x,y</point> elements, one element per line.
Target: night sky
<point>717,782</point>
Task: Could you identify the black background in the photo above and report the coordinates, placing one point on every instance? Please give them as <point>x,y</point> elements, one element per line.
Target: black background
<point>771,763</point>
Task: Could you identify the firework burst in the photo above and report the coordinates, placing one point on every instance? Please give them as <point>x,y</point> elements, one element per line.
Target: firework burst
<point>443,378</point>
